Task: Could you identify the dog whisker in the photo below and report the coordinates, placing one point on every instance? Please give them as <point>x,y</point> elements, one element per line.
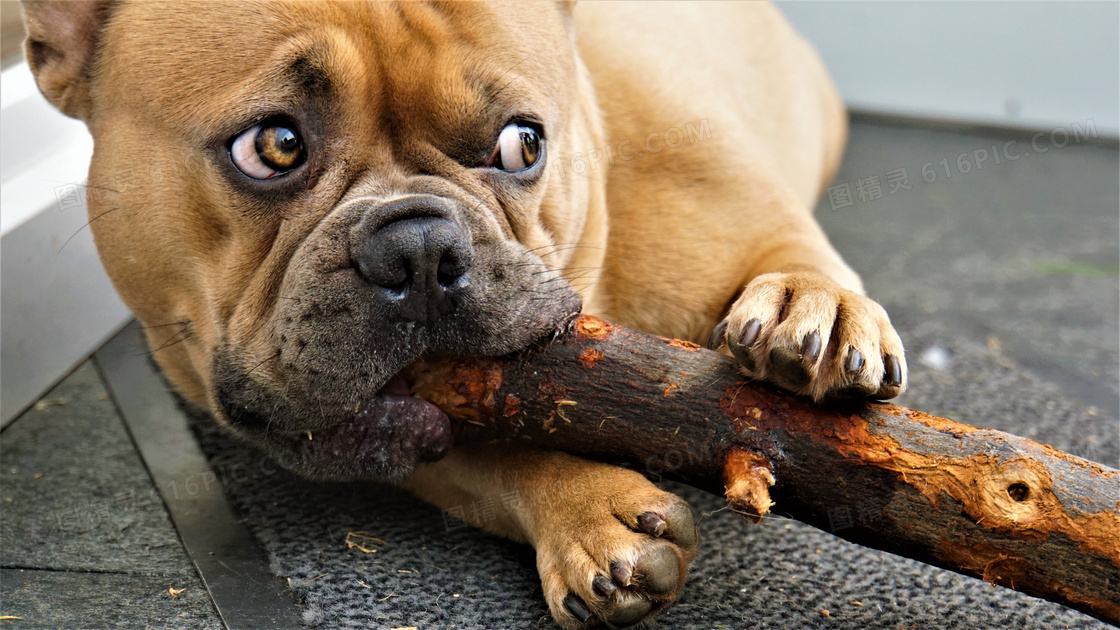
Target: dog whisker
<point>560,247</point>
<point>88,223</point>
<point>168,344</point>
<point>276,355</point>
<point>185,322</point>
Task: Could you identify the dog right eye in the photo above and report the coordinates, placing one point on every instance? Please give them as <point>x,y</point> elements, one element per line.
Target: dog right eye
<point>267,150</point>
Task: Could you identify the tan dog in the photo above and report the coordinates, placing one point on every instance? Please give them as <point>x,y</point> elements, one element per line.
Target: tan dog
<point>310,196</point>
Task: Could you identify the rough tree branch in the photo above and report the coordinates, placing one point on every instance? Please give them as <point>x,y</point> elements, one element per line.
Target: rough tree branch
<point>976,501</point>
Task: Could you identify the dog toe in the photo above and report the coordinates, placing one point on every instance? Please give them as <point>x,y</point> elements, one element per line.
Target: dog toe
<point>658,570</point>
<point>628,611</point>
<point>789,368</point>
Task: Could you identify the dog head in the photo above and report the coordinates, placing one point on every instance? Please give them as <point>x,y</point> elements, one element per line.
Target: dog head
<point>300,199</point>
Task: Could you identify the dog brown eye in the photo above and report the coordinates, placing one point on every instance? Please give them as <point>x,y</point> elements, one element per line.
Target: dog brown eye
<point>519,147</point>
<point>279,148</point>
<point>530,146</point>
<point>264,152</point>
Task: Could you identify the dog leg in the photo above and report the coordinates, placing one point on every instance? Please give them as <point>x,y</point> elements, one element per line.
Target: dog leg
<point>612,548</point>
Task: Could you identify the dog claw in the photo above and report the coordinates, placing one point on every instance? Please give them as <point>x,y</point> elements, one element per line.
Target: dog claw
<point>854,363</point>
<point>894,371</point>
<point>603,586</point>
<point>811,347</point>
<point>750,333</point>
<point>621,572</point>
<point>652,524</point>
<point>718,336</point>
<point>740,345</point>
<point>576,606</point>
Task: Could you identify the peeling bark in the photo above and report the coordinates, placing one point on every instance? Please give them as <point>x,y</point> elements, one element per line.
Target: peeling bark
<point>976,501</point>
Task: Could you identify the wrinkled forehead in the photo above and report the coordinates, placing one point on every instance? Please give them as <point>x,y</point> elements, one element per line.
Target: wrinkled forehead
<point>194,62</point>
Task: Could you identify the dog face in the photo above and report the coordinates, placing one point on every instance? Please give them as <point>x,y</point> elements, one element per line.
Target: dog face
<point>304,198</point>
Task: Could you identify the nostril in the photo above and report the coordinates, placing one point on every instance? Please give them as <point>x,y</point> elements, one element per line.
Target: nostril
<point>451,271</point>
<point>395,276</point>
<point>446,279</point>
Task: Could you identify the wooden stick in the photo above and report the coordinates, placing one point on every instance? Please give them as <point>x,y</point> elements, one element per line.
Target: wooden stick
<point>976,501</point>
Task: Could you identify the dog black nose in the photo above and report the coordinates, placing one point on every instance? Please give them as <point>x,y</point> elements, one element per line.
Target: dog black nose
<point>418,264</point>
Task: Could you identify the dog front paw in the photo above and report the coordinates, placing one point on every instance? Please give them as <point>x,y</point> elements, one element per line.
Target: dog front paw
<point>616,554</point>
<point>806,334</point>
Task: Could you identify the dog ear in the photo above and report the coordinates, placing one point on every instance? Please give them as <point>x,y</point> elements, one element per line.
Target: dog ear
<point>62,38</point>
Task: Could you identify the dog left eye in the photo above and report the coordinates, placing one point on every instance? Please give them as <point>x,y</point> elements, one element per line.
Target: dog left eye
<point>267,150</point>
<point>519,147</point>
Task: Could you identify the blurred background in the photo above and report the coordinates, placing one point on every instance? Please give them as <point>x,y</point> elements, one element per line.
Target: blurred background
<point>1032,65</point>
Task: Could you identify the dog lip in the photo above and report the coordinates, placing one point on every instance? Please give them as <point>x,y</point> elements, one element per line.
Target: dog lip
<point>406,424</point>
<point>389,431</point>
